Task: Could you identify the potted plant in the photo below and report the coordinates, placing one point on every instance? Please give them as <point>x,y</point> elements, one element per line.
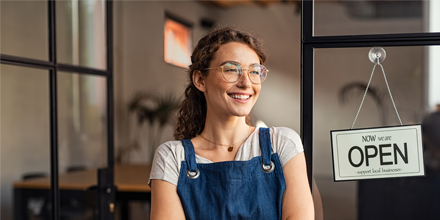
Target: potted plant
<point>154,111</point>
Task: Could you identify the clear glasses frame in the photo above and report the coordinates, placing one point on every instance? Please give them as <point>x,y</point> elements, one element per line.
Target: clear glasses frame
<point>240,72</point>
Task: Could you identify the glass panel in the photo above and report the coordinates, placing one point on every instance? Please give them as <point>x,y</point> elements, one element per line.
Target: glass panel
<point>82,125</point>
<point>82,130</point>
<point>372,17</point>
<point>81,33</point>
<point>25,142</point>
<point>340,79</point>
<point>24,29</point>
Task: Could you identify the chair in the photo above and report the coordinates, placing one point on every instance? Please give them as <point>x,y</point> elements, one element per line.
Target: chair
<point>77,206</point>
<point>75,168</point>
<point>32,175</point>
<point>36,206</point>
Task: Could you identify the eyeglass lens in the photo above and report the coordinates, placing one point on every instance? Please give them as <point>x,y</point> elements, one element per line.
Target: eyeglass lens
<point>233,71</point>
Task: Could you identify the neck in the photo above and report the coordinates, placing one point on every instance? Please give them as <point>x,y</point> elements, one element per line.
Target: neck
<point>226,130</point>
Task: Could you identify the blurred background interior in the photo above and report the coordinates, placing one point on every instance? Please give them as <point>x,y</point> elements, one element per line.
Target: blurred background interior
<point>151,44</point>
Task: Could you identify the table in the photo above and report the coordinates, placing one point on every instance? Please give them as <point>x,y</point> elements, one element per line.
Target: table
<point>131,181</point>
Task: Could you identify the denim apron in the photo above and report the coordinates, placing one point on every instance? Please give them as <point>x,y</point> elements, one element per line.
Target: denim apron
<point>233,189</point>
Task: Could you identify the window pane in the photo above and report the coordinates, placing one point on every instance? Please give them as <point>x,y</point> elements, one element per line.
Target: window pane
<point>82,138</point>
<point>371,17</point>
<point>81,33</point>
<point>25,138</point>
<point>24,29</point>
<point>82,121</point>
<point>340,79</point>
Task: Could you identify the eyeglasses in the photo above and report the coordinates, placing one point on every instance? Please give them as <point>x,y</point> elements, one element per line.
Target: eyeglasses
<point>233,71</point>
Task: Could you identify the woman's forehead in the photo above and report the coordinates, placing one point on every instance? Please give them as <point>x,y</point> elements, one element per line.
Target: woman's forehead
<point>237,52</point>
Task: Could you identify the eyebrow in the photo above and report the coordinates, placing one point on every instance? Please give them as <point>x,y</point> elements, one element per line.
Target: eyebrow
<point>237,63</point>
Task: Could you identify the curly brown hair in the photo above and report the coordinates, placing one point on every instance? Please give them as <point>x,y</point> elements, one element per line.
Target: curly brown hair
<point>192,114</point>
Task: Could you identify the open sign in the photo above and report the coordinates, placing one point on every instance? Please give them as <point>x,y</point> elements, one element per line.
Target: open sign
<point>377,153</point>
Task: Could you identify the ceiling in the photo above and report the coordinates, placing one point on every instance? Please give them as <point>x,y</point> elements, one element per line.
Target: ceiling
<point>369,9</point>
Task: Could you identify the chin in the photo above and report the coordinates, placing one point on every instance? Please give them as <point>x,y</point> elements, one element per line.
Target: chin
<point>242,113</point>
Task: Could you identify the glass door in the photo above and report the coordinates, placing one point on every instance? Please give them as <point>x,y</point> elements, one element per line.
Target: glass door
<point>56,110</point>
<point>337,36</point>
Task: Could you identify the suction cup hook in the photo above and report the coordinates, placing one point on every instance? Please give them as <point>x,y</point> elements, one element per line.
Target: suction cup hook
<point>377,55</point>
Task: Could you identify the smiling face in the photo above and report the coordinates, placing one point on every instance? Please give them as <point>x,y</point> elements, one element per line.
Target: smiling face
<point>224,98</point>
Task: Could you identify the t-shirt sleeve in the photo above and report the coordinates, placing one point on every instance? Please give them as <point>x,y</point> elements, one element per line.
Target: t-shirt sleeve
<point>286,142</point>
<point>166,163</point>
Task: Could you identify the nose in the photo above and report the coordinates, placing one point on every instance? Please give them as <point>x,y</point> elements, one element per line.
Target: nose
<point>244,80</point>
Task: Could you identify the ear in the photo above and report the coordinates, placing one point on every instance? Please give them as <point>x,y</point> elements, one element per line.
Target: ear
<point>199,80</point>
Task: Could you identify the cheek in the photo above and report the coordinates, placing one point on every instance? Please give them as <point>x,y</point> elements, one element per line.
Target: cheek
<point>257,94</point>
<point>257,89</point>
<point>222,87</point>
<point>217,89</point>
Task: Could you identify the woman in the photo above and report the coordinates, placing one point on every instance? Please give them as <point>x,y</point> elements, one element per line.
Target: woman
<point>220,167</point>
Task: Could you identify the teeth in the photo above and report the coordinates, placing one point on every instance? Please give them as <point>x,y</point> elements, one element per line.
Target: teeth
<point>241,97</point>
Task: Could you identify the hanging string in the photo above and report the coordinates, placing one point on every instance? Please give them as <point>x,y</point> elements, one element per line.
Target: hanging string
<point>391,96</point>
<point>366,91</point>
<point>363,98</point>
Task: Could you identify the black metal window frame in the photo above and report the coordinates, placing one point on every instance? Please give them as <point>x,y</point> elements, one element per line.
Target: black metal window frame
<point>54,67</point>
<point>308,45</point>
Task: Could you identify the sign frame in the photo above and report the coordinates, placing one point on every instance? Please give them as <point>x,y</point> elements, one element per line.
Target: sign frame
<point>358,131</point>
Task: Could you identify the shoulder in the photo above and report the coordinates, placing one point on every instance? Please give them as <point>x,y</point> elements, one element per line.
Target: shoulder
<point>169,149</point>
<point>286,142</point>
<point>167,160</point>
<point>283,134</point>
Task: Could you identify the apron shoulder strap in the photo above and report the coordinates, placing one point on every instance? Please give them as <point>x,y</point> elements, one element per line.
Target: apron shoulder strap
<point>265,145</point>
<point>190,154</point>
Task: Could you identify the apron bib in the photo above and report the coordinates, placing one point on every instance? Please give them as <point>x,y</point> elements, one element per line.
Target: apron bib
<point>233,189</point>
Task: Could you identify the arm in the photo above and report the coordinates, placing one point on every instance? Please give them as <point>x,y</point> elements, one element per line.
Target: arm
<point>165,203</point>
<point>297,200</point>
<point>319,211</point>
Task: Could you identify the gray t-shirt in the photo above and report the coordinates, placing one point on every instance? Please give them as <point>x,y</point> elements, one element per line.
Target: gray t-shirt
<point>169,156</point>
